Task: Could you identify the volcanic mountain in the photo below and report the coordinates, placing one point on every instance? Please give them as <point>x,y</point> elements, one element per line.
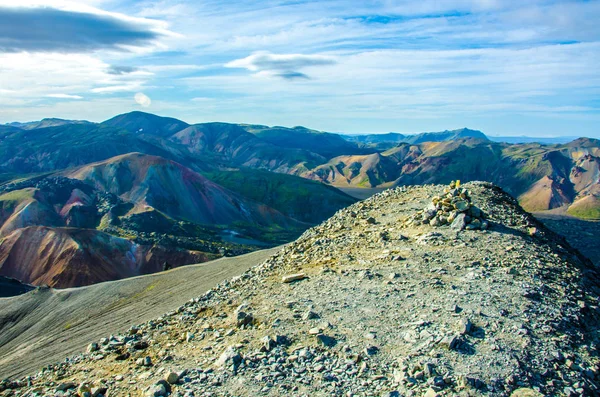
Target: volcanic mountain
<point>349,161</point>
<point>160,205</point>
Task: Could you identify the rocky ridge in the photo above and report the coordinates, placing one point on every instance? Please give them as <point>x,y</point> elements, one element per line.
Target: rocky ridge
<point>364,305</point>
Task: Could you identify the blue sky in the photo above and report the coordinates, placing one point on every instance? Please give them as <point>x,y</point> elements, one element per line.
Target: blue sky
<point>505,67</point>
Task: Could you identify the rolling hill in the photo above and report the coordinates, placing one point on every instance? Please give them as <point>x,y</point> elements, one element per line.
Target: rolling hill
<point>230,144</point>
<point>389,140</point>
<point>359,171</point>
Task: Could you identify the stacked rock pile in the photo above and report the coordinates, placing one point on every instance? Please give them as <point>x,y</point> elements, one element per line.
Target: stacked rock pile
<point>453,208</point>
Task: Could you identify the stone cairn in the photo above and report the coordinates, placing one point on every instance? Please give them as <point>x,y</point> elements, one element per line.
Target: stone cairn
<point>453,208</point>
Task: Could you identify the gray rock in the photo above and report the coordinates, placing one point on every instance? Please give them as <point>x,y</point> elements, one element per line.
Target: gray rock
<point>92,347</point>
<point>461,205</point>
<point>451,342</point>
<point>161,388</point>
<point>458,223</point>
<point>465,326</point>
<point>243,318</point>
<point>310,315</point>
<point>172,378</point>
<point>229,358</point>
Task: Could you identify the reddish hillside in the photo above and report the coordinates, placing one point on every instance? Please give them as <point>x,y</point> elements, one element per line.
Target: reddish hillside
<point>545,194</point>
<point>154,182</point>
<point>69,257</point>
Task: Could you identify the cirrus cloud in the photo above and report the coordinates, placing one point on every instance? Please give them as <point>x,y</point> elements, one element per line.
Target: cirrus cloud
<point>285,66</point>
<point>64,96</point>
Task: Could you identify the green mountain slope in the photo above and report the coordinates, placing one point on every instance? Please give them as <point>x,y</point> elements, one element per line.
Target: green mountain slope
<point>296,197</point>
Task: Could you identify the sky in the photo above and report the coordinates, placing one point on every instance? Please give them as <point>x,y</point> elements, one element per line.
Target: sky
<point>528,67</point>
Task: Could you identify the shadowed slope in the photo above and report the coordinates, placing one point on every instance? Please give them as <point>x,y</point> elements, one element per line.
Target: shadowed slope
<point>230,143</point>
<point>302,199</point>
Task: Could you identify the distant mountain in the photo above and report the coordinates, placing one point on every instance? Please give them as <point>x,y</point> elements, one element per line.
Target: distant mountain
<point>231,144</point>
<point>71,145</point>
<point>389,140</point>
<point>445,136</point>
<point>45,123</point>
<point>390,137</point>
<point>146,123</point>
<point>532,139</point>
<point>323,143</point>
<point>543,175</point>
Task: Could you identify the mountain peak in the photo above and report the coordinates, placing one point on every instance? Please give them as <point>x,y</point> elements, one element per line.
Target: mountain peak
<point>146,123</point>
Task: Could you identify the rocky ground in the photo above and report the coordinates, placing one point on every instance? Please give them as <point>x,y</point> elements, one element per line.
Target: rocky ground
<point>370,303</point>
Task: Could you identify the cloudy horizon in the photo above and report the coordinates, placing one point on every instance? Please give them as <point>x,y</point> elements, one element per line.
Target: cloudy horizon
<point>506,69</point>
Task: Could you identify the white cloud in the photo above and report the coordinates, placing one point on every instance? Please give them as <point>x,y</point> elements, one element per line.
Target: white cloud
<point>387,62</point>
<point>63,96</point>
<point>31,26</point>
<point>142,99</point>
<point>110,89</point>
<point>34,75</point>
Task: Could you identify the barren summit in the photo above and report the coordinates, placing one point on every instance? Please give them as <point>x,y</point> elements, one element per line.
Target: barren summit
<point>380,306</point>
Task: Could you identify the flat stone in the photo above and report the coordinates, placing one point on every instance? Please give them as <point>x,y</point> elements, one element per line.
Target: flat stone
<point>294,277</point>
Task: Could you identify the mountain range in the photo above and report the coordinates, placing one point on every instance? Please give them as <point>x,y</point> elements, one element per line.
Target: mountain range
<point>140,193</point>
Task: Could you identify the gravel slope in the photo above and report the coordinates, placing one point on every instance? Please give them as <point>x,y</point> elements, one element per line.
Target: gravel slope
<point>47,325</point>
